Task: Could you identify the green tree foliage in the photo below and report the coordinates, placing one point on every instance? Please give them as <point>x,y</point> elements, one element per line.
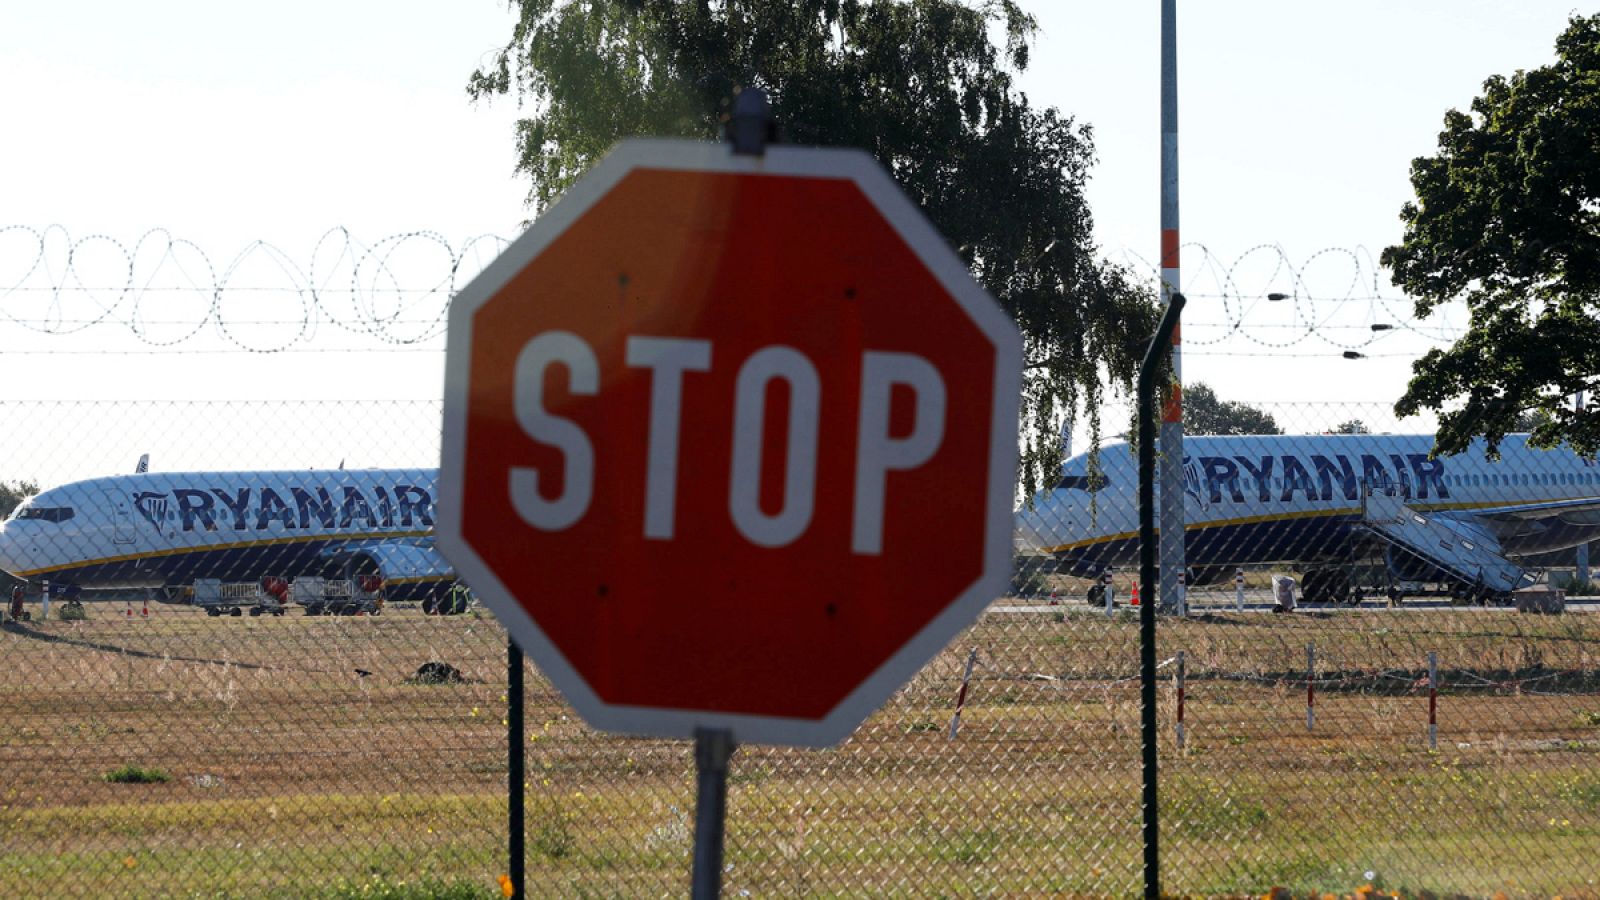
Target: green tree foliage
<point>920,85</point>
<point>12,493</point>
<point>1203,413</point>
<point>1507,218</point>
<point>1352,426</point>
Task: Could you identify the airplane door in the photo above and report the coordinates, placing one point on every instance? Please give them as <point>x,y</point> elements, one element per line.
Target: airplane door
<point>121,519</point>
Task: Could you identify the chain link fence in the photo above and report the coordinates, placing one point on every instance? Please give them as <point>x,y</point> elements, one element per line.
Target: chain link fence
<point>1400,729</point>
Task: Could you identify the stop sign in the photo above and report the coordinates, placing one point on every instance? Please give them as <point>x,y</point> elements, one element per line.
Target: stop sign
<point>730,441</point>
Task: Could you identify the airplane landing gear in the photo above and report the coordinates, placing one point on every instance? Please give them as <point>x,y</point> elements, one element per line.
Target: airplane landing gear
<point>1325,585</point>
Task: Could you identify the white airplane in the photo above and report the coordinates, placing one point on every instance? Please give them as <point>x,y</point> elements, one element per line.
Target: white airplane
<point>163,530</point>
<point>1338,507</point>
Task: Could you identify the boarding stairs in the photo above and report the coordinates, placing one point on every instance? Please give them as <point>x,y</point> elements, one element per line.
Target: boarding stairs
<point>1462,551</point>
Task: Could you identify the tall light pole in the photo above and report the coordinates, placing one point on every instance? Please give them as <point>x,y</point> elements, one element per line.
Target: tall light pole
<point>1172,519</point>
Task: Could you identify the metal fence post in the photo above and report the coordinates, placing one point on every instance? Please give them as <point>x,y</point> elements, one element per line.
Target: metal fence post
<point>1147,575</point>
<point>516,775</point>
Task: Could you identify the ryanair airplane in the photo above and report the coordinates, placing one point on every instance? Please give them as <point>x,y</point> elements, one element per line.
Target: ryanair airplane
<point>1338,507</point>
<point>163,530</point>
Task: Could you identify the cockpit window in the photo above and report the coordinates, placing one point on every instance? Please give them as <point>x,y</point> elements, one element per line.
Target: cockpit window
<point>1090,483</point>
<point>47,513</point>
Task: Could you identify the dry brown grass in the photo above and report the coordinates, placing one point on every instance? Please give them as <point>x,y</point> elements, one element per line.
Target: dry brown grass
<point>290,769</point>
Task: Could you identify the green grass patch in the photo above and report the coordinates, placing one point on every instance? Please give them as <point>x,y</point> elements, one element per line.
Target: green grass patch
<point>377,889</point>
<point>132,774</point>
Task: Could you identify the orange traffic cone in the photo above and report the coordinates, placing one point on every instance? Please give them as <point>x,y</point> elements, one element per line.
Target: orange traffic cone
<point>1135,600</point>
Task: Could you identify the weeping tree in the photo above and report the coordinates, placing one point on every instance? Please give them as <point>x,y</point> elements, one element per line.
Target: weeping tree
<point>926,86</point>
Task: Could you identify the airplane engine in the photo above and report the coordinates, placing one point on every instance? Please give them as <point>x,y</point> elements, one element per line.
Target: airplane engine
<point>401,571</point>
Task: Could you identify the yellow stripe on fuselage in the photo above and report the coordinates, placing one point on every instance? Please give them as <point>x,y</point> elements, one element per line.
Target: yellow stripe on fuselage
<point>211,548</point>
<point>1302,514</point>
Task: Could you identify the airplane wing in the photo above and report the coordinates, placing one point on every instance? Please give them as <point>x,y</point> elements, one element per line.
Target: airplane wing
<point>1531,528</point>
<point>400,561</point>
<point>1581,511</point>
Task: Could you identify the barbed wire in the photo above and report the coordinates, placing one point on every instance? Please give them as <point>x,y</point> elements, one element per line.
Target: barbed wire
<point>1335,289</point>
<point>167,292</point>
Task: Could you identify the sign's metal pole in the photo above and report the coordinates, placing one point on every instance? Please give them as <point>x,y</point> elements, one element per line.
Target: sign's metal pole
<point>516,747</point>
<point>712,748</point>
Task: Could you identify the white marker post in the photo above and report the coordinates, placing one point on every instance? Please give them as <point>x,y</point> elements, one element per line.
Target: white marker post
<point>1238,589</point>
<point>1109,591</point>
<point>1183,595</point>
<point>1178,678</point>
<point>1311,686</point>
<point>961,697</point>
<point>1433,700</point>
<point>44,603</point>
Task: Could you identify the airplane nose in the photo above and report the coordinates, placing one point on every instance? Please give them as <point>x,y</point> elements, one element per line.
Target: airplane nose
<point>10,552</point>
<point>5,549</point>
<point>1043,525</point>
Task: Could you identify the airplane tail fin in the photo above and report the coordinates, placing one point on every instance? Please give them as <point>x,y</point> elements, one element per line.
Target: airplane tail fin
<point>144,464</point>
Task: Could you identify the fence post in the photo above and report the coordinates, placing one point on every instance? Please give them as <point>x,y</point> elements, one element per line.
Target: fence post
<point>516,771</point>
<point>1311,686</point>
<point>1179,679</point>
<point>1433,700</point>
<point>1148,731</point>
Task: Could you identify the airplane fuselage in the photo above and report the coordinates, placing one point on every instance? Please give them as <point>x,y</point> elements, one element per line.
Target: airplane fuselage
<point>1297,498</point>
<point>151,530</point>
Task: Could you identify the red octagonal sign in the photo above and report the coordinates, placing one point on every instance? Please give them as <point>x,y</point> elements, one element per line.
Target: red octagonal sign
<point>729,442</point>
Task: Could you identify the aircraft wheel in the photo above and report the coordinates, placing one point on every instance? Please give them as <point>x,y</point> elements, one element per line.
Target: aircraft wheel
<point>236,612</point>
<point>213,611</point>
<point>1395,597</point>
<point>430,605</point>
<point>255,611</point>
<point>1311,586</point>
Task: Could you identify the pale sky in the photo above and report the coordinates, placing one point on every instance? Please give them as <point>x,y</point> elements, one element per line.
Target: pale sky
<point>227,124</point>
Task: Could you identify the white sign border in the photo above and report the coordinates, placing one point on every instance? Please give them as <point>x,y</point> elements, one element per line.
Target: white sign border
<point>934,252</point>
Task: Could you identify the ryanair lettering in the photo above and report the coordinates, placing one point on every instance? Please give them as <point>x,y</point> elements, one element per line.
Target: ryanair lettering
<point>258,509</point>
<point>1267,479</point>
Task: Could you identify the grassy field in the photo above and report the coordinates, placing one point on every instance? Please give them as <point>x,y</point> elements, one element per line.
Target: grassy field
<point>302,758</point>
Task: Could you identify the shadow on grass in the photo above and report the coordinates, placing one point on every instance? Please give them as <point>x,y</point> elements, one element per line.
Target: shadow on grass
<point>32,633</point>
